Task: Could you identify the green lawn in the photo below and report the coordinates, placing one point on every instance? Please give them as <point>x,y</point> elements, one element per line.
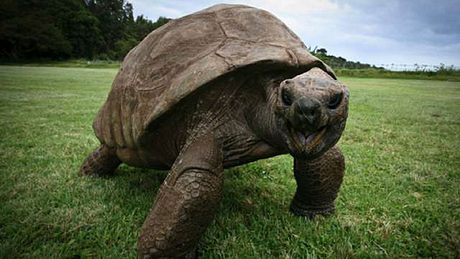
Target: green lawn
<point>400,197</point>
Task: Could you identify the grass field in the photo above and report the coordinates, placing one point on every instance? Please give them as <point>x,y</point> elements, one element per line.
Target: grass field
<point>444,73</point>
<point>400,197</point>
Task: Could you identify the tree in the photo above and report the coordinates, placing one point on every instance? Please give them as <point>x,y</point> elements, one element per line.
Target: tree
<point>113,22</point>
<point>59,29</point>
<point>28,30</point>
<point>47,29</point>
<point>143,26</point>
<point>79,26</point>
<point>321,51</point>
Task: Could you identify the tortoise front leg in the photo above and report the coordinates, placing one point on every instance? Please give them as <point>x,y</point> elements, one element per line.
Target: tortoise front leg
<point>318,182</point>
<point>185,204</point>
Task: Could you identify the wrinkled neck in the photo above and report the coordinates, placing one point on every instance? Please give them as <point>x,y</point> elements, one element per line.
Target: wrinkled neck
<point>263,120</point>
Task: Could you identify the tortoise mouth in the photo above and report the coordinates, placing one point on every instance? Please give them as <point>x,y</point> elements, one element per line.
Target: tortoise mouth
<point>307,144</point>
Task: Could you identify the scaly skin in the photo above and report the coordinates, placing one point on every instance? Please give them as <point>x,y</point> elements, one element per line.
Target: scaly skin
<point>318,183</point>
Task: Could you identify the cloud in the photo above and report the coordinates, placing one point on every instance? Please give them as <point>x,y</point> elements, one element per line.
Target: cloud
<point>377,32</point>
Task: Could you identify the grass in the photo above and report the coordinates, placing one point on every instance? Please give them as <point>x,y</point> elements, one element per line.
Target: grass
<point>445,74</point>
<point>83,63</point>
<point>400,197</point>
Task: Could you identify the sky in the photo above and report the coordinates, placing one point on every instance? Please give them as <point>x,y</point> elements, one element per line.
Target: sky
<point>375,32</point>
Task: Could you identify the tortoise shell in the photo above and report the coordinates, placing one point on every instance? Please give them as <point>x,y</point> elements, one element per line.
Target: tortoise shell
<point>180,57</point>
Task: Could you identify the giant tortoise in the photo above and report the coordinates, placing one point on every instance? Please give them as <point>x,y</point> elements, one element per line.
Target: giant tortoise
<point>219,88</point>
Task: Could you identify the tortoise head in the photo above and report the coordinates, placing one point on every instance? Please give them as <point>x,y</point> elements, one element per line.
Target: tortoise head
<point>311,110</point>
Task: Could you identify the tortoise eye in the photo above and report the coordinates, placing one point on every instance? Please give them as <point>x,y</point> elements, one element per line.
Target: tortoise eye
<point>286,97</point>
<point>335,101</point>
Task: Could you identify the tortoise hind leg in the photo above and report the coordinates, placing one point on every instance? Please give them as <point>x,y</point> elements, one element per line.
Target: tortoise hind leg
<point>102,162</point>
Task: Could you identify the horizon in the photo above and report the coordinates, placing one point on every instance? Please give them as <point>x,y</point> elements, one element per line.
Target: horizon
<point>391,33</point>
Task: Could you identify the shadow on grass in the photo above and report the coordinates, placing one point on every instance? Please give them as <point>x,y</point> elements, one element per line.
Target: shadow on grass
<point>241,197</point>
<point>123,201</point>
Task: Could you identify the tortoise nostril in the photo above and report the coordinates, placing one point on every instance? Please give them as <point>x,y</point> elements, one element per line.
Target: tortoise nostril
<point>308,106</point>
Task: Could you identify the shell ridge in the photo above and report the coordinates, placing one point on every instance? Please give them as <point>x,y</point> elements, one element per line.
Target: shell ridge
<point>222,44</point>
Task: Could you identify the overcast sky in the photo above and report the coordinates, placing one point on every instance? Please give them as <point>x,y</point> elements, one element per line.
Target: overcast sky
<point>375,32</point>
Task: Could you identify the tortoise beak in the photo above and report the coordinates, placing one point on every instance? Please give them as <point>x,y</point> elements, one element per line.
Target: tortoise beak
<point>307,144</point>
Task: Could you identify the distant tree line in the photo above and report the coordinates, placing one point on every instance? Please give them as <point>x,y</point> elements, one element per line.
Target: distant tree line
<point>89,29</point>
<point>339,62</point>
<point>62,29</point>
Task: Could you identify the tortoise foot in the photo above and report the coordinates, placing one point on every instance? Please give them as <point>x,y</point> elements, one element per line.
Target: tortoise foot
<point>310,212</point>
<point>102,162</point>
<point>193,254</point>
